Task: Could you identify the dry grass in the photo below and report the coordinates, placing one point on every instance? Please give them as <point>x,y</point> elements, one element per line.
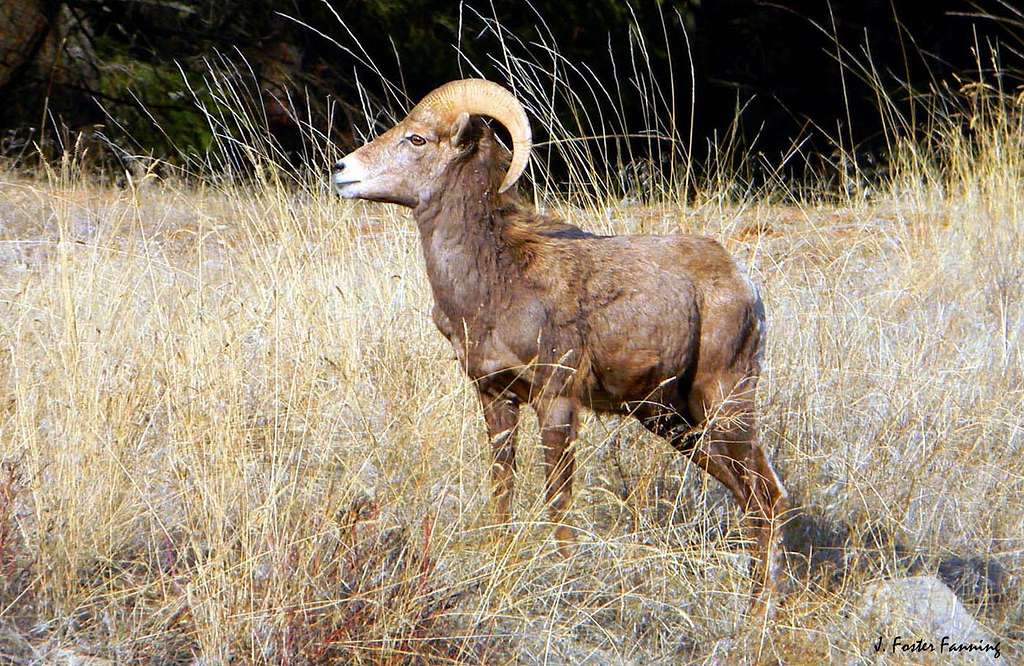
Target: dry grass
<point>231,431</point>
<point>232,434</point>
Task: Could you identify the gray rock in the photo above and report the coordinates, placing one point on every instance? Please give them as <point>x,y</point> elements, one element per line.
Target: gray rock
<point>917,619</point>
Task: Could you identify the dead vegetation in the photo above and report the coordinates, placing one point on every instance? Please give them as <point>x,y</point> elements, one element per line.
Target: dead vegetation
<point>231,434</point>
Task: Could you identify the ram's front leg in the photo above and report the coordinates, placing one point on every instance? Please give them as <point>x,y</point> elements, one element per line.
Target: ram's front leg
<point>501,411</point>
<point>558,424</point>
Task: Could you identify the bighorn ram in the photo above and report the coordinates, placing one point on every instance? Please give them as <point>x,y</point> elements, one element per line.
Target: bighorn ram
<point>664,328</point>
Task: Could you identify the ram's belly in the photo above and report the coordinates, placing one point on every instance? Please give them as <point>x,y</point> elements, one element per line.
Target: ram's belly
<point>642,343</point>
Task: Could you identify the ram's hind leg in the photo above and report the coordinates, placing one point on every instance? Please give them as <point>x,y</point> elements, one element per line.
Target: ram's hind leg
<point>730,452</point>
<point>743,467</point>
<point>501,411</point>
<point>675,427</point>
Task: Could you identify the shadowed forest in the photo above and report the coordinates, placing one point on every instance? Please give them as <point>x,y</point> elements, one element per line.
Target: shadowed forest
<point>798,81</point>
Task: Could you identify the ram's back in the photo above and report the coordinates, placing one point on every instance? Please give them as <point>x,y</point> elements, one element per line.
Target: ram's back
<point>657,308</point>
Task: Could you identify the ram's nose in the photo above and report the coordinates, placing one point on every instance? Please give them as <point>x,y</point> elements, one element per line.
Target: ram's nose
<point>346,172</point>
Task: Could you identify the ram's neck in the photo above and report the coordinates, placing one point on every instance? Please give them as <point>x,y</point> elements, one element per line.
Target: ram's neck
<point>468,264</point>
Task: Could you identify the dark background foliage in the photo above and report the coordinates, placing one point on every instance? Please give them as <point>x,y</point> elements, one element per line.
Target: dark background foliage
<point>79,64</point>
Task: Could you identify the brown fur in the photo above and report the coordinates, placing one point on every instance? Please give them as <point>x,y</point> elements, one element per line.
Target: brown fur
<point>664,328</point>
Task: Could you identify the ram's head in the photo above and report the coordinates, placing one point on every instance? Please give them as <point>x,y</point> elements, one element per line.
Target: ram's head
<point>405,165</point>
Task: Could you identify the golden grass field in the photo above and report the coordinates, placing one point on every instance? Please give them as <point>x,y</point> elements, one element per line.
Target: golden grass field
<point>231,433</point>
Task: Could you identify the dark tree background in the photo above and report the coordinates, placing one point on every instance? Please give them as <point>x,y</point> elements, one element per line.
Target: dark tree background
<point>72,65</point>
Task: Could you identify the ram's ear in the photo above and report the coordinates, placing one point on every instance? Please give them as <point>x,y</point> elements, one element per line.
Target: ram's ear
<point>459,132</point>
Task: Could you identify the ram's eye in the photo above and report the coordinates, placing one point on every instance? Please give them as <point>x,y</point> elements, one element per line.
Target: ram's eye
<point>416,139</point>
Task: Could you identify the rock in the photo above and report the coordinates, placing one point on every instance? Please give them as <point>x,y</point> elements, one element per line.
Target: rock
<point>829,551</point>
<point>22,25</point>
<point>46,52</point>
<point>917,619</point>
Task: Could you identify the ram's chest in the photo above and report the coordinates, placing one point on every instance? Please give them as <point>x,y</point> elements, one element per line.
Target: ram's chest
<point>480,348</point>
<point>519,353</point>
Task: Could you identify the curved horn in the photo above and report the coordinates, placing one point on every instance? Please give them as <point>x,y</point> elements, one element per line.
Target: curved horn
<point>486,98</point>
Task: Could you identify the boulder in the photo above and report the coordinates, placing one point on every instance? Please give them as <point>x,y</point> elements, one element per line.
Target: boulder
<point>917,620</point>
<point>23,24</point>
